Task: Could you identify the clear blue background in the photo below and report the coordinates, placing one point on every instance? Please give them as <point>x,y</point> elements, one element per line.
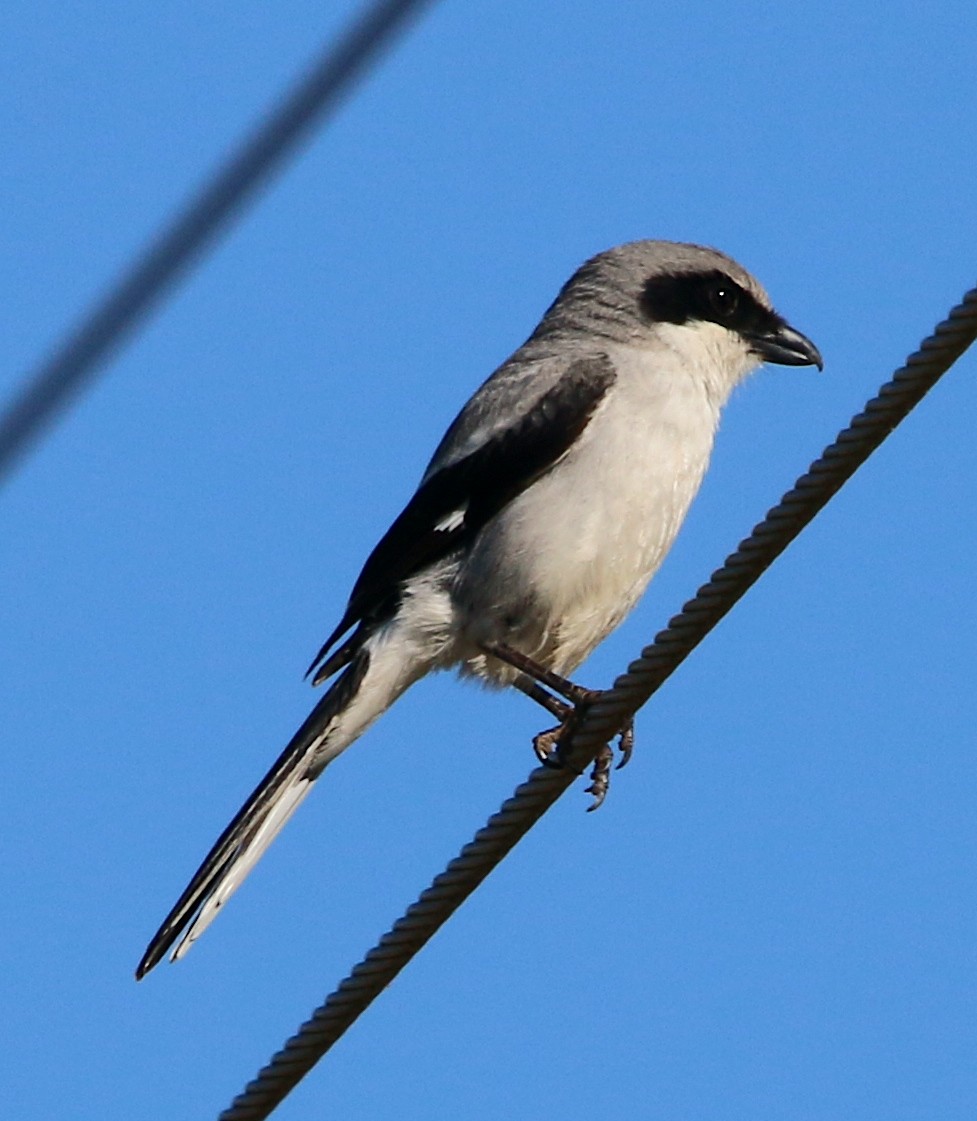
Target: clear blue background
<point>774,914</point>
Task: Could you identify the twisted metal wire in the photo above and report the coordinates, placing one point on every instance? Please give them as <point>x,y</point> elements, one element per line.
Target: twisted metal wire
<point>55,383</point>
<point>629,692</point>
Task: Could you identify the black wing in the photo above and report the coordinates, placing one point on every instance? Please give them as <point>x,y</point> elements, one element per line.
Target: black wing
<point>453,504</point>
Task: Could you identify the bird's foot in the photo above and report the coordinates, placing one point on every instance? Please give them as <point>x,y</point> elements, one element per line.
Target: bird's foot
<point>549,750</point>
<point>547,746</point>
<point>600,777</point>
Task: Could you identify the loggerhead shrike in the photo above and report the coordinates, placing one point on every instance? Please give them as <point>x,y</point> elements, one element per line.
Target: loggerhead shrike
<point>549,504</point>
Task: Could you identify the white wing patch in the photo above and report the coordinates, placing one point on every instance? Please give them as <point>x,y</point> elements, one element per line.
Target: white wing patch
<point>453,520</point>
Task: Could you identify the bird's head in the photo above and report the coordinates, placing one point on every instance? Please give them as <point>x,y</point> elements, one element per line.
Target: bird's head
<point>692,300</point>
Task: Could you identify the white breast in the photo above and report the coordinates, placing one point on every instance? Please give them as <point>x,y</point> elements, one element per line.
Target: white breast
<point>567,560</point>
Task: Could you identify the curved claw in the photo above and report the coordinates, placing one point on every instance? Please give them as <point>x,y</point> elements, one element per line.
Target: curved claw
<point>544,745</point>
<point>599,796</point>
<point>547,748</point>
<point>626,744</point>
<point>600,777</point>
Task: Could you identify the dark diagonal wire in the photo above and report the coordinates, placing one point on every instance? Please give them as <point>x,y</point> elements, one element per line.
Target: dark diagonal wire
<point>631,690</point>
<point>51,387</point>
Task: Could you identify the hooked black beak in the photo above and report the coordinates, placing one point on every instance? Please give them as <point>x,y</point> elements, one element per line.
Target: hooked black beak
<point>785,347</point>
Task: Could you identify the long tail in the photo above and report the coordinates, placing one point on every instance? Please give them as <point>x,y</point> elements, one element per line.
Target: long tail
<point>339,717</point>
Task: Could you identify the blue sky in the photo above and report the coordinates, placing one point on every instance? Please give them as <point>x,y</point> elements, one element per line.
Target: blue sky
<point>774,914</point>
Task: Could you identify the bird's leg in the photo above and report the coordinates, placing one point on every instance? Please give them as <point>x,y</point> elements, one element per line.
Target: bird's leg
<point>547,745</point>
<point>532,689</point>
<point>530,681</point>
<point>577,694</point>
<point>544,743</point>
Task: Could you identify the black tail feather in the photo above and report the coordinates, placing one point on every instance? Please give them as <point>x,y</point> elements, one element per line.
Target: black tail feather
<point>298,755</point>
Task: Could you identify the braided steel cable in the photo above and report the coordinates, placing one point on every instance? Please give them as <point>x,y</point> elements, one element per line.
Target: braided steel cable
<point>55,383</point>
<point>608,715</point>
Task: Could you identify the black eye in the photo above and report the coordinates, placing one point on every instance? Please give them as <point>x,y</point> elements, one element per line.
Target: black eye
<point>724,300</point>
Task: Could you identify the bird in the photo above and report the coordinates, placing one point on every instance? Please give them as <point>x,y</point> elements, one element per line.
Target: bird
<point>548,505</point>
